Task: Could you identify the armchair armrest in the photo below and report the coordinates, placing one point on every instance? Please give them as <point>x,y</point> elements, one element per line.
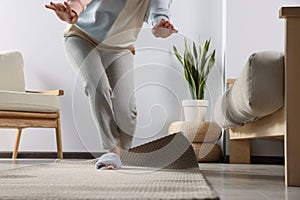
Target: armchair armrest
<point>52,92</point>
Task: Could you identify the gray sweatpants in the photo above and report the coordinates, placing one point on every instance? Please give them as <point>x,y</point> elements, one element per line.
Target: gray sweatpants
<point>108,81</point>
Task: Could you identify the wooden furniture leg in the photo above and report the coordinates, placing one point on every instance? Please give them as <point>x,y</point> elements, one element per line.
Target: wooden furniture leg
<point>17,143</point>
<point>239,151</point>
<point>292,94</point>
<point>58,139</point>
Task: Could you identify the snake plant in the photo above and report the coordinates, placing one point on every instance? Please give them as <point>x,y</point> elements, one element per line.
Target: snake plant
<point>197,63</point>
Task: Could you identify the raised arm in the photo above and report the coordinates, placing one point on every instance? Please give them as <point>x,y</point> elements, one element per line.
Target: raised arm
<point>69,10</point>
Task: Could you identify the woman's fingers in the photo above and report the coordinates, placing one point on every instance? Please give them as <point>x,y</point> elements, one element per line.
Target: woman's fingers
<point>174,31</point>
<point>50,7</point>
<point>166,24</point>
<point>54,6</point>
<point>60,7</point>
<point>68,9</point>
<point>162,23</point>
<point>73,16</point>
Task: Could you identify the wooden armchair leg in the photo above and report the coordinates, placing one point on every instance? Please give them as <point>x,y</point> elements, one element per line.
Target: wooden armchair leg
<point>17,143</point>
<point>240,151</point>
<point>58,140</point>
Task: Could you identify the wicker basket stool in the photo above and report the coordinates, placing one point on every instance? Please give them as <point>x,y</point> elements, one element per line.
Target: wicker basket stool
<point>203,136</point>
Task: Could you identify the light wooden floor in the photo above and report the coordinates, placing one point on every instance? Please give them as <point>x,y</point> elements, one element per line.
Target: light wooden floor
<point>249,182</point>
<point>253,182</point>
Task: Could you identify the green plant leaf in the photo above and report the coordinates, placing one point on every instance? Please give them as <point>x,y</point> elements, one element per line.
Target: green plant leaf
<point>196,56</point>
<point>178,56</point>
<point>203,56</point>
<point>190,71</point>
<point>209,63</point>
<point>201,90</point>
<point>206,45</point>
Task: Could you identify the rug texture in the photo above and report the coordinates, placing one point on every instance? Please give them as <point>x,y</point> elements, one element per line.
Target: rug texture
<point>159,174</point>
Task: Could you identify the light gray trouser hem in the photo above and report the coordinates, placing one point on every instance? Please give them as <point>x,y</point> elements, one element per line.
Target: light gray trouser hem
<point>108,80</point>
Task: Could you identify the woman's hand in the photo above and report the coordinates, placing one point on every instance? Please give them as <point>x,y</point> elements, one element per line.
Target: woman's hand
<point>64,12</point>
<point>163,29</point>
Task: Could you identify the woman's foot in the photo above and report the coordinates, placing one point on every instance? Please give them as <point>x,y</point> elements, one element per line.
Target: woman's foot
<point>111,160</point>
<point>115,150</point>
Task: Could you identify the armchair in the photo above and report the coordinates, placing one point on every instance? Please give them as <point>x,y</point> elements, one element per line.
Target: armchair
<point>22,109</point>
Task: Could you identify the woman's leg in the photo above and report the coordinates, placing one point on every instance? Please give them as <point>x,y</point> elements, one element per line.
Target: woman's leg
<point>87,63</point>
<point>119,70</point>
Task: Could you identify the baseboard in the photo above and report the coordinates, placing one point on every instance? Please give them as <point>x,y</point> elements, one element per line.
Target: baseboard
<point>52,155</point>
<point>271,160</point>
<point>266,160</point>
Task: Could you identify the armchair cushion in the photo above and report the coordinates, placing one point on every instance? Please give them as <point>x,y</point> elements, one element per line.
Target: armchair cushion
<point>28,102</point>
<point>11,71</point>
<point>258,91</point>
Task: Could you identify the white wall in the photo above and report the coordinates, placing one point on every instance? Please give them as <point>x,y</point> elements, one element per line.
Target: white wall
<point>254,25</point>
<point>27,26</point>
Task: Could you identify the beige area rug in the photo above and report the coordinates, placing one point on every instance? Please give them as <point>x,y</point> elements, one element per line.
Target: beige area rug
<point>68,180</point>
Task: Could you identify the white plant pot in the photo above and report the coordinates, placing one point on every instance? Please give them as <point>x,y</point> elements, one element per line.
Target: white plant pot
<point>194,110</point>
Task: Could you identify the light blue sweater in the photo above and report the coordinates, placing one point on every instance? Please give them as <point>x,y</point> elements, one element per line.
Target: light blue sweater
<point>99,15</point>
